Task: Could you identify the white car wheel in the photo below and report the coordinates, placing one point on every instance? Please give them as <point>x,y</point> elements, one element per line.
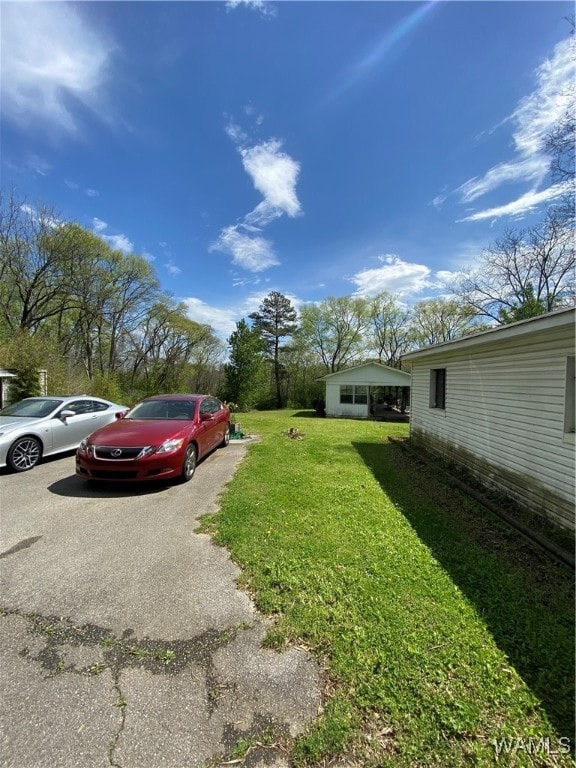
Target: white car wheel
<point>24,454</point>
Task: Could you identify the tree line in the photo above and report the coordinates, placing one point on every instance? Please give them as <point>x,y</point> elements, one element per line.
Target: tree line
<point>97,319</point>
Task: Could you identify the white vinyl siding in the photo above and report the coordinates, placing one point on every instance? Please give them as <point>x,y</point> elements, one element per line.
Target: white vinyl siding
<point>505,407</point>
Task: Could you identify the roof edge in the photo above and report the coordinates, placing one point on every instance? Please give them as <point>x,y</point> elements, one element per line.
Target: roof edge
<point>363,365</point>
<point>555,319</point>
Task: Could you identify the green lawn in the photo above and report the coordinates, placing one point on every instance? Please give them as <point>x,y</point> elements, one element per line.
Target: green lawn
<point>442,631</point>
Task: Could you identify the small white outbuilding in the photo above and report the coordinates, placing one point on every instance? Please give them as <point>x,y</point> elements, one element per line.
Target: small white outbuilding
<point>359,391</point>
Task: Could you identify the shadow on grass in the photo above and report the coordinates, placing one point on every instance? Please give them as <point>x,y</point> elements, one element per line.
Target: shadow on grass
<point>525,599</point>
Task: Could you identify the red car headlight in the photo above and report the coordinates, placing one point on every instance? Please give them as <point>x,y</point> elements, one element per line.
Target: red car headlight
<point>85,448</point>
<point>171,445</point>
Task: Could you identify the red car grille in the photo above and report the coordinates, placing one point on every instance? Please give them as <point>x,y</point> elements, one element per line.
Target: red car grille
<point>117,453</point>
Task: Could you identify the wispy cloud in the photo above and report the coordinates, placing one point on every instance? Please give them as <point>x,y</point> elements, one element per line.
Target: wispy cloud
<point>409,280</point>
<point>533,120</point>
<point>43,216</point>
<point>532,168</point>
<point>75,186</point>
<point>251,112</point>
<point>396,276</point>
<point>274,174</point>
<point>51,60</point>
<point>172,268</point>
<point>236,133</point>
<point>98,225</point>
<point>444,279</point>
<point>117,242</point>
<point>252,253</point>
<point>38,165</point>
<point>523,205</point>
<point>264,7</point>
<point>224,319</point>
<point>440,199</point>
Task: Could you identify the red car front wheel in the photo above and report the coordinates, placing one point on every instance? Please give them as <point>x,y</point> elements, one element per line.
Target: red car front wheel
<point>189,464</point>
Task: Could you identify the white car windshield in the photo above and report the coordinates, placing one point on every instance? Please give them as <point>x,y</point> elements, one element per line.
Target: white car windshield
<point>33,409</point>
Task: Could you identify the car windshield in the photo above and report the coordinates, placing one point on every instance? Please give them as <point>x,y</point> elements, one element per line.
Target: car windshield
<point>32,409</point>
<point>163,409</point>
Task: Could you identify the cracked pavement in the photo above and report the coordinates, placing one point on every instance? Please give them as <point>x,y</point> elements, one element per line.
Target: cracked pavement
<point>123,639</point>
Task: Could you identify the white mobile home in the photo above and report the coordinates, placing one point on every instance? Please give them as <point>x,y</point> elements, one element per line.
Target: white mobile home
<point>353,392</point>
<point>501,403</point>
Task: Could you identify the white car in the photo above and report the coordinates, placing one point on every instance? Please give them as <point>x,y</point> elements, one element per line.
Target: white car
<point>42,426</point>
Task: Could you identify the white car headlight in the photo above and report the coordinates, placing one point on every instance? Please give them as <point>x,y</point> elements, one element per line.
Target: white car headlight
<point>171,445</point>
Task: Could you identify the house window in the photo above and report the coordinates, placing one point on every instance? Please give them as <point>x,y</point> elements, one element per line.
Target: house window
<point>438,388</point>
<point>570,396</point>
<point>352,394</point>
<point>346,393</point>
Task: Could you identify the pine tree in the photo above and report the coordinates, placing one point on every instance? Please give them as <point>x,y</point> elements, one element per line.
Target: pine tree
<point>275,320</point>
<point>243,370</point>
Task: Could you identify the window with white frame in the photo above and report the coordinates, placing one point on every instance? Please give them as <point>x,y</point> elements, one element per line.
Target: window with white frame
<point>438,388</point>
<point>346,393</point>
<point>350,393</point>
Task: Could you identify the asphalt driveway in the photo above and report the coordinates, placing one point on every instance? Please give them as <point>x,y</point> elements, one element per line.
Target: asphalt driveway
<point>123,638</point>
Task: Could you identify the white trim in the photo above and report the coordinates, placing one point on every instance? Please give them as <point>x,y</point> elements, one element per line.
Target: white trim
<point>379,367</point>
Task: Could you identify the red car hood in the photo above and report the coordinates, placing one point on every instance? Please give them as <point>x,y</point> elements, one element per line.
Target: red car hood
<point>136,432</point>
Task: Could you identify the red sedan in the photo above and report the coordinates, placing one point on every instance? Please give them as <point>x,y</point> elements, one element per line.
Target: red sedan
<point>162,437</point>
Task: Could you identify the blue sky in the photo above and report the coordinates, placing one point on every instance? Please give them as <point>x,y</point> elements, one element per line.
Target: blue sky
<point>313,148</point>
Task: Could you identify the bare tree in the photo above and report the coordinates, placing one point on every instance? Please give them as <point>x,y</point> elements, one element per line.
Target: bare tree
<point>531,268</point>
<point>560,145</point>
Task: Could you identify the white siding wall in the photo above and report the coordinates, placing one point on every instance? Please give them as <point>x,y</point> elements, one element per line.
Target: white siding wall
<point>505,405</point>
<point>335,408</point>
